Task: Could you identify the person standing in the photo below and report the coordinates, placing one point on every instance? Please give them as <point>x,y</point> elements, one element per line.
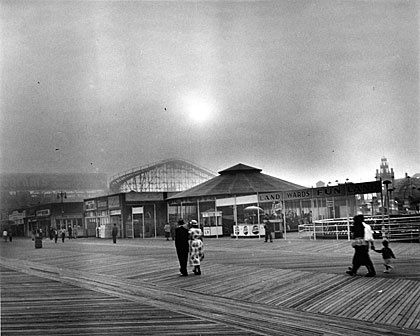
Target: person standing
<point>167,229</point>
<point>268,230</point>
<point>5,235</point>
<point>196,247</point>
<point>114,233</point>
<point>55,235</point>
<point>182,246</point>
<point>70,232</point>
<point>363,236</point>
<point>63,234</point>
<point>173,230</point>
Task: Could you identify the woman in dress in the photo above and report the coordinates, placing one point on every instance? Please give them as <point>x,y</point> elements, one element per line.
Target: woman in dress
<point>196,247</point>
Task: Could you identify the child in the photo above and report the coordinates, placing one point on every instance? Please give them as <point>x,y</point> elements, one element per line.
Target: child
<point>387,254</point>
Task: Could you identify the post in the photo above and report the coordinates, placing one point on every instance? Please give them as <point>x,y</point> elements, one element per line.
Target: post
<point>154,214</point>
<point>235,216</point>
<point>284,218</point>
<point>142,215</point>
<point>132,223</point>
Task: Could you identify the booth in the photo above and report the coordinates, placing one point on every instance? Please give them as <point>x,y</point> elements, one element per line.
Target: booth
<point>212,223</point>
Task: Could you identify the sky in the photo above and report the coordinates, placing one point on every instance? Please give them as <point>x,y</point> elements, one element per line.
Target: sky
<point>304,90</point>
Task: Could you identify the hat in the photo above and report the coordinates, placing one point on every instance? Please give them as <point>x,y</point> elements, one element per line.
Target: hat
<point>194,222</point>
<point>181,221</point>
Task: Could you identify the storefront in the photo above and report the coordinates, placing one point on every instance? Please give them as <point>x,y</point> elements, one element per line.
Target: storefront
<point>136,215</point>
<point>242,216</point>
<point>47,217</point>
<point>221,205</point>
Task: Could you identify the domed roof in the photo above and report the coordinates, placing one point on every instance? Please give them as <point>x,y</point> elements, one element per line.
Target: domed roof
<point>238,180</point>
<point>407,188</point>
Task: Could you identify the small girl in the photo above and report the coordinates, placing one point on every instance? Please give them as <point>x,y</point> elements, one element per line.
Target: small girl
<point>387,254</point>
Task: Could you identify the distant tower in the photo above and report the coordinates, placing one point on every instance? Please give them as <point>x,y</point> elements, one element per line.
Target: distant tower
<point>384,173</point>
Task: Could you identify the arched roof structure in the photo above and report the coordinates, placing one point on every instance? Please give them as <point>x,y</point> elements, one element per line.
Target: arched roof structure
<point>172,175</point>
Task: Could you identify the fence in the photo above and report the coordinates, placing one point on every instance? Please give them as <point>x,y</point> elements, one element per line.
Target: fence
<point>393,228</point>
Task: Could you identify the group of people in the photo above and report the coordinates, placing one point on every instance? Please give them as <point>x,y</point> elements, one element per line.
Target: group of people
<point>54,233</point>
<point>363,241</point>
<point>189,246</point>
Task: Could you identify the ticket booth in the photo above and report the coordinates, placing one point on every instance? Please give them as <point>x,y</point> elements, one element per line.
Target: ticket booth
<point>212,223</point>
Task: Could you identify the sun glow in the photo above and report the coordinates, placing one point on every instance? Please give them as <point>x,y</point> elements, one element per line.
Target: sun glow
<point>198,109</point>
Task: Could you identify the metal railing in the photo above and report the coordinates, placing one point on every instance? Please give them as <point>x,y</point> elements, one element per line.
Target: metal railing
<point>393,228</point>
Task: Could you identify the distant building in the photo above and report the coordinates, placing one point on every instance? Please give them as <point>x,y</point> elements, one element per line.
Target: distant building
<point>384,173</point>
<point>19,190</point>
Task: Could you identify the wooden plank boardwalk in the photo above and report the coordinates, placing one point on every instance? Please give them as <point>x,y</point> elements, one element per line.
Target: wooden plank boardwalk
<point>289,287</point>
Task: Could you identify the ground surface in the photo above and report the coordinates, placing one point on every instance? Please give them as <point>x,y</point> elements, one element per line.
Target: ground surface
<point>292,286</point>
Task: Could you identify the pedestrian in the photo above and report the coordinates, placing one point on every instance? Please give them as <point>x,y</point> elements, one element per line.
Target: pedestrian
<point>387,254</point>
<point>196,247</point>
<point>75,233</point>
<point>5,235</point>
<point>63,234</point>
<point>114,233</point>
<point>195,230</point>
<point>173,230</point>
<point>70,230</point>
<point>182,245</point>
<point>268,230</point>
<point>363,236</point>
<point>55,235</point>
<point>10,235</point>
<point>167,229</point>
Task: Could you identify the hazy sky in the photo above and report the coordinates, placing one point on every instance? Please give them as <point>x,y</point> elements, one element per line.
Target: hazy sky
<point>304,90</point>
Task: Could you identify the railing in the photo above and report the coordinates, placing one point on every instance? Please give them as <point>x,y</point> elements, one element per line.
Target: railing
<point>393,228</point>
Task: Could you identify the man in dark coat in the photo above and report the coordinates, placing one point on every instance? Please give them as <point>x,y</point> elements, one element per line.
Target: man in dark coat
<point>114,233</point>
<point>182,246</point>
<point>268,226</point>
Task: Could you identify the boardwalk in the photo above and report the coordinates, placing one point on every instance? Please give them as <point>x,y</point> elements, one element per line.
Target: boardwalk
<point>248,287</point>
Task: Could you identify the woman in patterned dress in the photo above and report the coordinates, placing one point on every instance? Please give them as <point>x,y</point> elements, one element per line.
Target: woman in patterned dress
<point>196,247</point>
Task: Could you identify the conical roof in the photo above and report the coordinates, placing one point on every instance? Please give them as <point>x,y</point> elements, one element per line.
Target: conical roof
<point>238,180</point>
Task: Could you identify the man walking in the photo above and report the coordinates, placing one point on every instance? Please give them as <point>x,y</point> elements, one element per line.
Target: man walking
<point>182,246</point>
<point>114,233</point>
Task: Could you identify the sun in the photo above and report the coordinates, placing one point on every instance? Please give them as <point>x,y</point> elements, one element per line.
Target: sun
<point>198,108</point>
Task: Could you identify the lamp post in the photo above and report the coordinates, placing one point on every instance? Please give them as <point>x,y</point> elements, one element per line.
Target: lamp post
<point>61,196</point>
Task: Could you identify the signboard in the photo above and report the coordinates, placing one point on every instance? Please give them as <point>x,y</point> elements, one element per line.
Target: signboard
<point>149,196</point>
<point>138,210</point>
<point>90,205</point>
<point>340,190</point>
<point>102,203</point>
<point>212,214</point>
<point>297,194</point>
<point>114,212</point>
<point>113,202</point>
<point>249,230</point>
<point>16,215</point>
<point>363,188</point>
<point>236,200</point>
<point>43,213</point>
